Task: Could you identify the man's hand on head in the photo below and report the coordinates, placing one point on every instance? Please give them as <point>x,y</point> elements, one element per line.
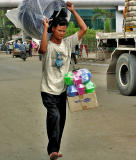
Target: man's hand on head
<point>70,6</point>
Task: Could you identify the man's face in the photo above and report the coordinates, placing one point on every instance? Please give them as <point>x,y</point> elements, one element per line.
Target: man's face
<point>59,32</point>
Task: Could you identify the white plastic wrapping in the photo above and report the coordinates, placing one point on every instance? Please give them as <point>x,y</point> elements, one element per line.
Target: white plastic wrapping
<point>13,17</point>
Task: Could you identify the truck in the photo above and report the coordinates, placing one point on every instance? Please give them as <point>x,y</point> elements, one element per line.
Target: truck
<point>123,55</point>
<point>122,60</point>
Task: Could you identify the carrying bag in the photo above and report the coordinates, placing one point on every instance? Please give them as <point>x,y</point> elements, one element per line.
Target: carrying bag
<point>31,12</point>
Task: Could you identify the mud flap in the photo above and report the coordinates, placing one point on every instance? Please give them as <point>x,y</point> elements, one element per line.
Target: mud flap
<point>114,57</point>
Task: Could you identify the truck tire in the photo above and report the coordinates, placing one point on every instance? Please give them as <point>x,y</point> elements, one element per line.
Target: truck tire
<point>126,74</point>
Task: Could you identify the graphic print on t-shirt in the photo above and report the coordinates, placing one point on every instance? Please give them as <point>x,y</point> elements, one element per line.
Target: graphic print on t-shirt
<point>59,60</point>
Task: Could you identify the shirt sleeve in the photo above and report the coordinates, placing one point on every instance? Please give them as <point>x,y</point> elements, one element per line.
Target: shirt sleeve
<point>72,41</point>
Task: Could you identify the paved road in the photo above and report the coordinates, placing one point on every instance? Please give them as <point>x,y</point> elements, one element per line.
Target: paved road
<point>104,133</point>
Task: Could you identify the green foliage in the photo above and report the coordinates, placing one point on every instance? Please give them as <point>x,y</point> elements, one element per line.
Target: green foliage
<point>107,25</point>
<point>88,38</point>
<point>71,29</point>
<point>7,28</point>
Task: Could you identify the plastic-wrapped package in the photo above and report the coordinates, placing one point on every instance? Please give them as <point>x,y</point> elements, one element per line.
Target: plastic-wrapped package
<point>77,73</point>
<point>81,89</point>
<point>86,75</point>
<point>77,77</point>
<point>72,91</point>
<point>90,87</point>
<point>69,78</point>
<point>77,80</point>
<point>31,13</point>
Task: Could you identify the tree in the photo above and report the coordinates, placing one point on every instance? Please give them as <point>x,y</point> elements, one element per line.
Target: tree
<point>11,29</point>
<point>2,17</point>
<point>7,27</point>
<point>105,15</point>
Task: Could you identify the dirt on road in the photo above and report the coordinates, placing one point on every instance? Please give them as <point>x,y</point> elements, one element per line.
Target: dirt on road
<point>104,133</point>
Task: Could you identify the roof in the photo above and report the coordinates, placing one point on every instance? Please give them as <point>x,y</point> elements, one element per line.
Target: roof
<point>77,3</point>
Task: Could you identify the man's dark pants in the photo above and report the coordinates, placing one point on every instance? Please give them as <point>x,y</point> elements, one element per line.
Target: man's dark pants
<point>56,116</point>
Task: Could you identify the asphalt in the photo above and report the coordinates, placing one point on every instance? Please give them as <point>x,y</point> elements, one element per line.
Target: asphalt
<point>104,133</point>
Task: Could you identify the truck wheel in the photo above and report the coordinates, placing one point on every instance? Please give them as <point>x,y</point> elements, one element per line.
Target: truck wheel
<point>126,74</point>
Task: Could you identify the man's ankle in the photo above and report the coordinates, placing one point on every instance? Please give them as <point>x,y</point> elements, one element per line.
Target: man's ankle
<point>53,156</point>
<point>60,154</point>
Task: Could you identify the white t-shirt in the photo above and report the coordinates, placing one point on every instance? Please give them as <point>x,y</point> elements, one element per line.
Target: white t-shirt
<point>52,77</point>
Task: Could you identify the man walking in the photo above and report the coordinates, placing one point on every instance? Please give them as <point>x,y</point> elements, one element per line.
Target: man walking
<point>56,61</point>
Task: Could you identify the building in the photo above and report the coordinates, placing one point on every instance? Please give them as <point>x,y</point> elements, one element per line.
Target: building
<point>85,7</point>
<point>87,15</point>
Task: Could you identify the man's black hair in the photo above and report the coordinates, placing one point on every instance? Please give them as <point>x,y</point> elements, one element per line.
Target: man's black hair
<point>59,19</point>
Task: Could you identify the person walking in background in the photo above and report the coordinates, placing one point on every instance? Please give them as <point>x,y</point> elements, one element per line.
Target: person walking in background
<point>73,55</point>
<point>34,47</point>
<point>16,45</point>
<point>22,49</point>
<point>37,48</point>
<point>56,61</point>
<point>77,50</point>
<point>37,51</point>
<point>10,48</point>
<point>7,48</point>
<point>27,48</point>
<point>30,49</point>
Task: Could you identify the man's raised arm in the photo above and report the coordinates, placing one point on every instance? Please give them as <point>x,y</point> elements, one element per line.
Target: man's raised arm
<point>44,41</point>
<point>81,23</point>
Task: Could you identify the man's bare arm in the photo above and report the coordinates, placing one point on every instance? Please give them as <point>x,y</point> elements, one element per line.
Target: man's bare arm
<point>44,41</point>
<point>81,23</point>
